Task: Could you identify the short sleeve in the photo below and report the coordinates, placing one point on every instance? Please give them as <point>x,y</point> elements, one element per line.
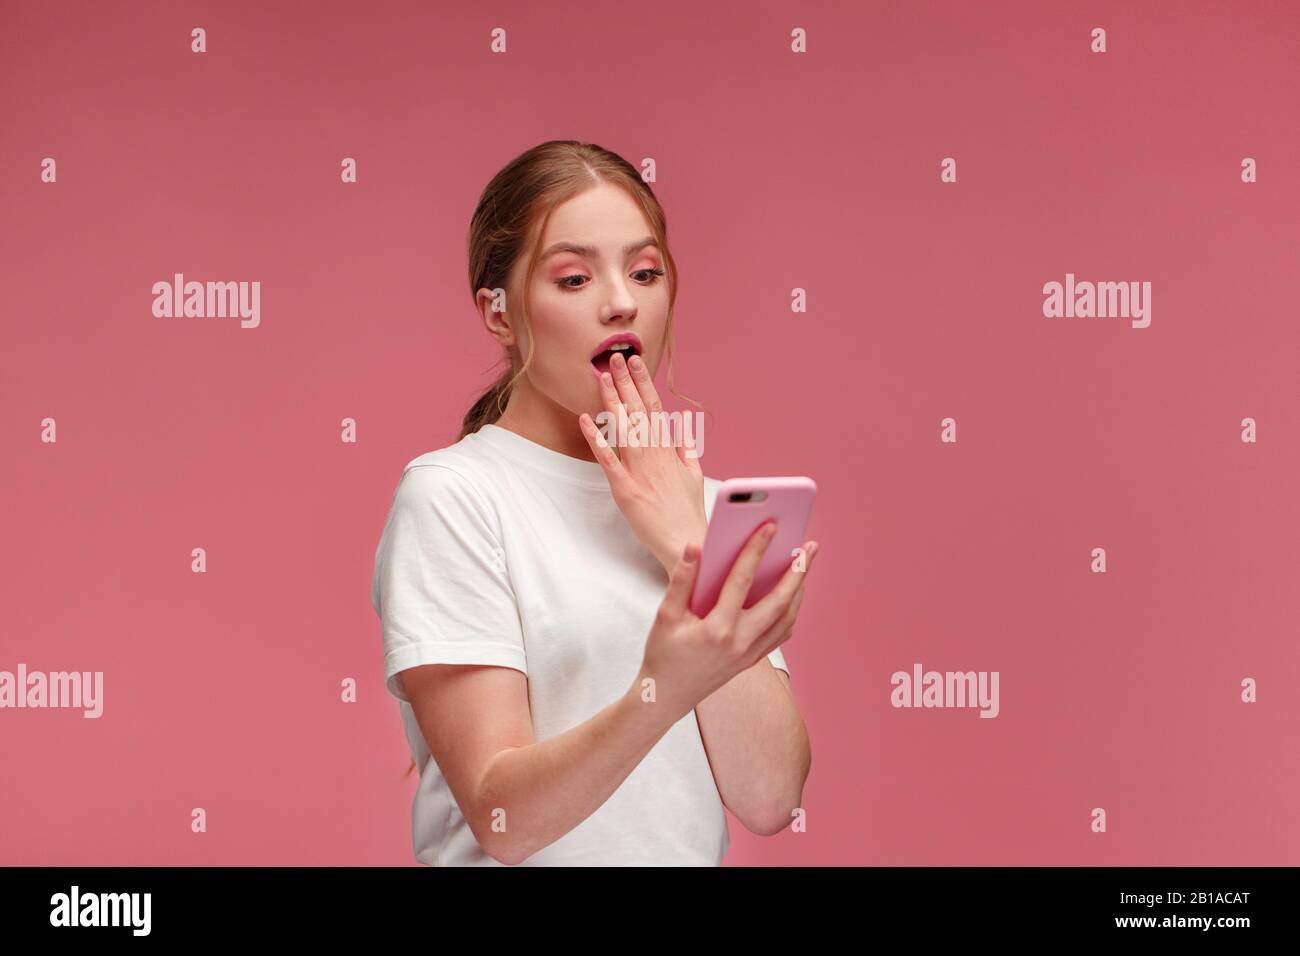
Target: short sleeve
<point>711,486</point>
<point>440,585</point>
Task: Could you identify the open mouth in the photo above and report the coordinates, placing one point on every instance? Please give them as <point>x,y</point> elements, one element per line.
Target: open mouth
<point>601,361</point>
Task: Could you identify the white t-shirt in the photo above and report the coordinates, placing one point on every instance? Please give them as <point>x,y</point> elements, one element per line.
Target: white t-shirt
<point>498,550</point>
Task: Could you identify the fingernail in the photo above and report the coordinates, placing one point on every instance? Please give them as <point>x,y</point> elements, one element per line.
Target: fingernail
<point>617,359</point>
<point>635,362</point>
<point>812,549</point>
<point>769,529</point>
<point>607,378</point>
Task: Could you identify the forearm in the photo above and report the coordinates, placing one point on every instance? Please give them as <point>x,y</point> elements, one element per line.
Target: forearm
<point>531,796</point>
<point>757,746</point>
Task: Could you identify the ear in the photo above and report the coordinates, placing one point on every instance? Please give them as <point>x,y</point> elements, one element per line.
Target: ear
<point>495,322</point>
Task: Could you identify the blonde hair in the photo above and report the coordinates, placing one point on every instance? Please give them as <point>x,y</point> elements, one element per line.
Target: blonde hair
<point>522,194</point>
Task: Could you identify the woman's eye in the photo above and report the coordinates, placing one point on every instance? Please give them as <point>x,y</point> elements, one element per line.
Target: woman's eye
<point>648,277</point>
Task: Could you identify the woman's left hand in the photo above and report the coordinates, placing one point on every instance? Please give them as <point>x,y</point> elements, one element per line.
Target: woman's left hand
<point>659,489</point>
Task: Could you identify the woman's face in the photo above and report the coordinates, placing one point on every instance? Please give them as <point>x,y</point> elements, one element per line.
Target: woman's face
<point>580,297</point>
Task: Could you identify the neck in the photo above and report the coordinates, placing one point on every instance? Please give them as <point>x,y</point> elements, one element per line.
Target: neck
<point>539,419</point>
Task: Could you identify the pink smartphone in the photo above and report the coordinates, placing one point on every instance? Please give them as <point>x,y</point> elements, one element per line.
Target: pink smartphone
<point>741,506</point>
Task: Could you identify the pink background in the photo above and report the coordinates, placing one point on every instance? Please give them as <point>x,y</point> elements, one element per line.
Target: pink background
<point>777,170</point>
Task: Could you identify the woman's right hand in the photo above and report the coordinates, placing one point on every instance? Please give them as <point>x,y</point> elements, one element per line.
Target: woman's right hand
<point>689,657</point>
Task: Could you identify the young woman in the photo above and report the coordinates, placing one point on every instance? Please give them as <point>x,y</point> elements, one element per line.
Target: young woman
<point>562,704</point>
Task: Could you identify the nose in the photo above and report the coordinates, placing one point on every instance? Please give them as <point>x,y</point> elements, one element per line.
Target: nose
<point>619,303</point>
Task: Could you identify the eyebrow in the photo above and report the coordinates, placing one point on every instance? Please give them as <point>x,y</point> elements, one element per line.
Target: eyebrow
<point>592,252</point>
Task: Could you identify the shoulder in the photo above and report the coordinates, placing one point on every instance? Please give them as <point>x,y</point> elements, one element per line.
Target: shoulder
<point>711,486</point>
<point>450,477</point>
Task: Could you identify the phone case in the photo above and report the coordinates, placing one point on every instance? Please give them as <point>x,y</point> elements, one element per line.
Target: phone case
<point>788,500</point>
